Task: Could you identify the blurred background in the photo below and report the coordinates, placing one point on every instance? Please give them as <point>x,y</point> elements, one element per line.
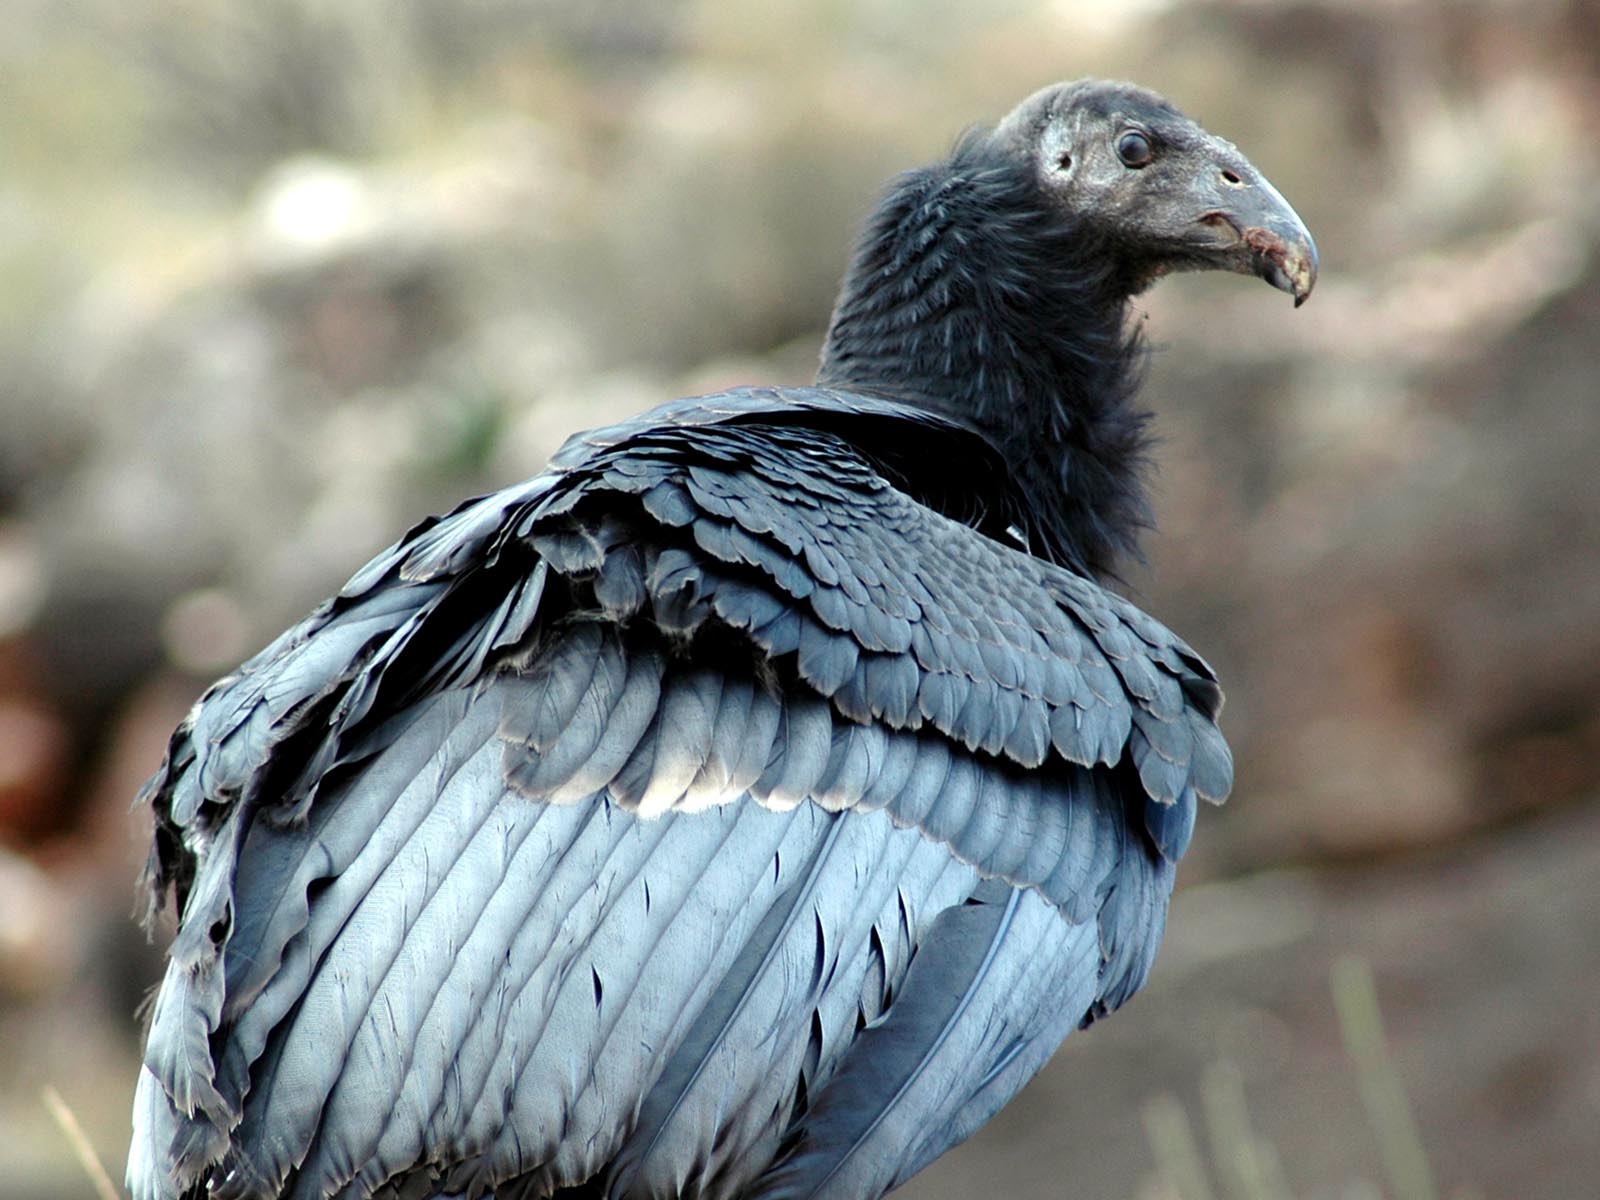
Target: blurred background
<point>280,278</point>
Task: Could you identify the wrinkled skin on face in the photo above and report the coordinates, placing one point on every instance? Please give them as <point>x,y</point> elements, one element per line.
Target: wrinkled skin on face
<point>1165,193</point>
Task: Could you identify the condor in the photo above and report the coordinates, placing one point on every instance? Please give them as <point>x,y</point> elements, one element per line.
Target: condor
<point>749,805</point>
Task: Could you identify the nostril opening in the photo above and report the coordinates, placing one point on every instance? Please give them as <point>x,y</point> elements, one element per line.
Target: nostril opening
<point>1221,223</point>
<point>1231,177</point>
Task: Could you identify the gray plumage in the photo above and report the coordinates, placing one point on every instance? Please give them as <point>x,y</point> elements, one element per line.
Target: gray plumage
<point>736,809</point>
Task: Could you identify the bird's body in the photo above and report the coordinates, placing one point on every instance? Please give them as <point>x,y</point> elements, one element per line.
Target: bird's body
<point>746,806</point>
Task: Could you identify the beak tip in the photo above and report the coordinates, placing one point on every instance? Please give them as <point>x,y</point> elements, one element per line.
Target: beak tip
<point>1303,275</point>
<point>1288,263</point>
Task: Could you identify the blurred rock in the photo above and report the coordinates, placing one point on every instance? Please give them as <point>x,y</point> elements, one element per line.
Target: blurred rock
<point>33,769</point>
<point>37,951</point>
<point>22,578</point>
<point>35,743</point>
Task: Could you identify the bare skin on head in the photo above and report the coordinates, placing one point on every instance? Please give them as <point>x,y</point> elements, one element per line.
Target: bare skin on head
<point>1175,196</point>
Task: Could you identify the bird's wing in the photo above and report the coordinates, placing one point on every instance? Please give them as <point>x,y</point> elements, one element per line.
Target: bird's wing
<point>704,801</point>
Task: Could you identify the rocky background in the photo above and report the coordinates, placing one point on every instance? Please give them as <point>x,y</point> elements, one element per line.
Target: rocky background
<point>281,277</point>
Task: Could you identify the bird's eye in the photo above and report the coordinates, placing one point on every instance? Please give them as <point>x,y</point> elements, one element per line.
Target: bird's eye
<point>1135,150</point>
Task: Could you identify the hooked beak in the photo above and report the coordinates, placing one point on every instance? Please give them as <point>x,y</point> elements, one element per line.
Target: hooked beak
<point>1254,231</point>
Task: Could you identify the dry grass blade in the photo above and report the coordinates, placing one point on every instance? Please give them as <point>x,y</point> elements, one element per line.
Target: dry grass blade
<point>1247,1170</point>
<point>1176,1152</point>
<point>79,1141</point>
<point>1383,1095</point>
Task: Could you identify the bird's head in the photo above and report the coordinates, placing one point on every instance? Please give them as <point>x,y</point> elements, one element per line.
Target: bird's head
<point>1164,194</point>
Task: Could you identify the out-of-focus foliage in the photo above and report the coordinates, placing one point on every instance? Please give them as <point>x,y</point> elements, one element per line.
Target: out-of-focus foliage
<point>282,277</point>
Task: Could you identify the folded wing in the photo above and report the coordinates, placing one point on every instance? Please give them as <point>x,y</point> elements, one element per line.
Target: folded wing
<point>711,815</point>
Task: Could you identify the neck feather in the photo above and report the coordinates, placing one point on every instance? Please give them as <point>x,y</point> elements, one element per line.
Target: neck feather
<point>971,295</point>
